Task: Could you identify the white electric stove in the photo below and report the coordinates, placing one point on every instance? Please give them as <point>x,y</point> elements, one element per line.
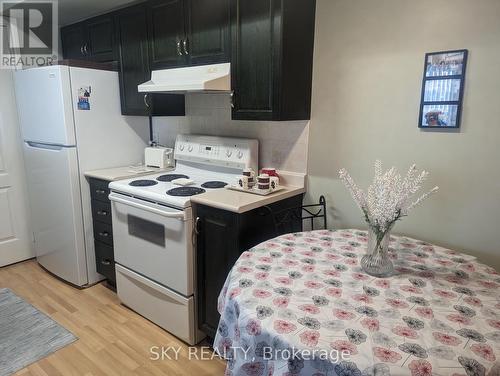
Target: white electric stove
<point>153,229</point>
<point>210,162</point>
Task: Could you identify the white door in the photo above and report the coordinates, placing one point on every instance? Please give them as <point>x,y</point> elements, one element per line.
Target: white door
<point>15,235</point>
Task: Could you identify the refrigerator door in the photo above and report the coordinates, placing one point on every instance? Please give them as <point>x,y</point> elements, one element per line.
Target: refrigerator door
<point>56,210</point>
<point>105,138</point>
<point>44,105</point>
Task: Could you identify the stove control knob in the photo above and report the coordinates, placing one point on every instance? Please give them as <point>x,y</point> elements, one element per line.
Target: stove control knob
<point>190,148</point>
<point>240,154</point>
<point>181,147</point>
<point>229,153</point>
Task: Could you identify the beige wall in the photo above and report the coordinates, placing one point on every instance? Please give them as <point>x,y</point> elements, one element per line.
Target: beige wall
<point>367,80</point>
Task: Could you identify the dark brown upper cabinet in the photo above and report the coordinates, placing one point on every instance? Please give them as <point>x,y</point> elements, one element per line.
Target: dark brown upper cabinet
<point>134,61</point>
<point>188,32</point>
<point>102,46</point>
<point>272,59</point>
<point>91,40</point>
<point>269,43</point>
<point>132,36</point>
<point>208,39</point>
<point>168,43</point>
<point>73,41</point>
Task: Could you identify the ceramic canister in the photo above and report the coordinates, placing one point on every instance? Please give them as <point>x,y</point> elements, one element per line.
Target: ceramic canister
<point>263,182</point>
<point>251,176</point>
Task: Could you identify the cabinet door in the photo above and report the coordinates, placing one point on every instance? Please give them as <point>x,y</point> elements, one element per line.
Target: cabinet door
<point>134,68</point>
<point>167,33</point>
<point>254,55</point>
<point>134,63</point>
<point>101,39</point>
<point>105,262</point>
<point>208,31</point>
<point>73,41</point>
<point>217,251</point>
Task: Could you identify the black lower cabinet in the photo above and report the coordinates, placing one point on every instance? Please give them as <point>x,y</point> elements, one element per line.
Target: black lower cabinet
<point>222,237</point>
<point>105,263</point>
<point>103,230</point>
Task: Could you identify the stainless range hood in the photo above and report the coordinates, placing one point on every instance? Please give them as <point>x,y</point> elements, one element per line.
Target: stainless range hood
<point>214,78</point>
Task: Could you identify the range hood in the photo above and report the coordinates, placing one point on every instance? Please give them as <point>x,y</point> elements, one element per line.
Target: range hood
<point>203,78</point>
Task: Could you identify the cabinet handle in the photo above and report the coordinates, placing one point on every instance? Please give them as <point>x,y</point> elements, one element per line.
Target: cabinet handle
<point>179,51</point>
<point>85,49</point>
<point>184,44</point>
<point>100,191</point>
<point>196,231</point>
<point>265,210</point>
<point>102,212</point>
<point>146,100</point>
<point>197,226</point>
<point>106,262</point>
<point>81,50</point>
<point>104,234</point>
<point>232,98</point>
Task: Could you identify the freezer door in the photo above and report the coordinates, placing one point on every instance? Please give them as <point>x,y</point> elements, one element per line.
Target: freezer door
<point>105,138</point>
<point>56,209</point>
<point>44,105</point>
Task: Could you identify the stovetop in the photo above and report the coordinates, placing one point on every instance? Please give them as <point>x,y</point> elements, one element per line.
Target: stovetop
<point>171,176</point>
<point>159,188</point>
<point>187,191</point>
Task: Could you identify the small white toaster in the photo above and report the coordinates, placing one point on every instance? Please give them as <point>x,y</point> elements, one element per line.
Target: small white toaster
<point>158,157</point>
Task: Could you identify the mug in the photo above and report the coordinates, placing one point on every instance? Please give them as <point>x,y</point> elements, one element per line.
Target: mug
<point>271,171</point>
<point>274,183</point>
<point>249,172</point>
<point>242,182</point>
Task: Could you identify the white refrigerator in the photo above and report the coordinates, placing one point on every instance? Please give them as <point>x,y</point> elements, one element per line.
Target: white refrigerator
<point>71,123</point>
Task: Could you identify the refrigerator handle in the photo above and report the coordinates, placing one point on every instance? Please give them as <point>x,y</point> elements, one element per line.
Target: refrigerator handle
<point>38,145</point>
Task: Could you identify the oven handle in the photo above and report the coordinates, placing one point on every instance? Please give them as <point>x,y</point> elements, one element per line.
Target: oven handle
<point>145,207</point>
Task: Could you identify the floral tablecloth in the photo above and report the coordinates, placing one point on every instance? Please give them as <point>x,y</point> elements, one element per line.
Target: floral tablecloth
<point>438,315</point>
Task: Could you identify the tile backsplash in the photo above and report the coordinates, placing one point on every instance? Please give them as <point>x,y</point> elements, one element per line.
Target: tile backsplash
<point>282,144</point>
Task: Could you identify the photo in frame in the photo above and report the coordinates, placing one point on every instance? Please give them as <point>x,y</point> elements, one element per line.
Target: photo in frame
<point>442,89</point>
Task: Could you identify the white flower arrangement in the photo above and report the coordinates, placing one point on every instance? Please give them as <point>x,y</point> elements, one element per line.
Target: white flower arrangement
<point>388,198</point>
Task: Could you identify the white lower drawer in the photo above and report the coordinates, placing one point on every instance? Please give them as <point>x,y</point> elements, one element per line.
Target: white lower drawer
<point>173,312</point>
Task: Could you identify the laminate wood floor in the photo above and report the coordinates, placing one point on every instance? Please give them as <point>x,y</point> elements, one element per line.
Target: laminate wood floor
<point>113,340</point>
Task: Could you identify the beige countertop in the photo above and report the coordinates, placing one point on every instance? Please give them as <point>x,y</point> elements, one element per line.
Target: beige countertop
<point>125,172</point>
<point>240,202</point>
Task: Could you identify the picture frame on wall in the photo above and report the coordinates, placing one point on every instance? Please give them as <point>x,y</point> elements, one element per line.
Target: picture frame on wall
<point>442,89</point>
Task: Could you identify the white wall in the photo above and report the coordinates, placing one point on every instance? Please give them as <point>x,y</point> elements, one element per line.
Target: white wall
<point>282,144</point>
<point>367,79</point>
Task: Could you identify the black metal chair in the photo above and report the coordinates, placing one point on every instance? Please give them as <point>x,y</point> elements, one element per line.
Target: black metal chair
<point>292,219</point>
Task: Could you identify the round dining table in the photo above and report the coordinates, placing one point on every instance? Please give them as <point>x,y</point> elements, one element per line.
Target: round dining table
<point>300,304</point>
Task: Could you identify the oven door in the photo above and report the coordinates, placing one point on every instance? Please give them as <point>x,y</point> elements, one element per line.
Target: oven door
<point>154,241</point>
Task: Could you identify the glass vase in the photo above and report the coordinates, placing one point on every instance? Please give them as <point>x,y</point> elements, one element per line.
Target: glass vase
<point>376,262</point>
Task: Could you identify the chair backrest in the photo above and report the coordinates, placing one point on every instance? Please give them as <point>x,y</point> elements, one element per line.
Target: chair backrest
<point>292,219</point>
